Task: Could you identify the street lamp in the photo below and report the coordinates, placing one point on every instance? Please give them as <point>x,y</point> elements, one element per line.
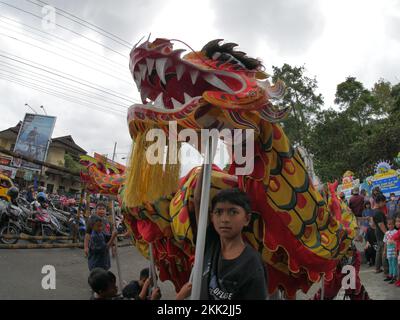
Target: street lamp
<point>27,105</point>
<point>44,110</point>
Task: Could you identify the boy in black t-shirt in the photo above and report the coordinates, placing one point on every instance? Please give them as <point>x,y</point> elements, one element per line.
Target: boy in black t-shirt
<point>381,228</point>
<point>232,269</point>
<point>140,290</point>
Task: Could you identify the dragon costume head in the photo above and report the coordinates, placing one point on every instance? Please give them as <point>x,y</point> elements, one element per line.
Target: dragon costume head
<point>213,88</point>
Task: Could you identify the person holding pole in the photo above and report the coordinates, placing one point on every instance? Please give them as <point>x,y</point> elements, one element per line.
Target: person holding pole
<point>101,210</point>
<point>232,269</point>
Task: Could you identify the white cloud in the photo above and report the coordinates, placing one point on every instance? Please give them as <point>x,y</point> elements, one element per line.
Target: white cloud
<point>334,39</point>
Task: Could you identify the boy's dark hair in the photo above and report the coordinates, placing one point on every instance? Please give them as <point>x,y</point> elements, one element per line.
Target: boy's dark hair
<point>99,279</point>
<point>144,274</point>
<point>234,196</point>
<point>380,198</point>
<point>367,203</point>
<point>101,204</point>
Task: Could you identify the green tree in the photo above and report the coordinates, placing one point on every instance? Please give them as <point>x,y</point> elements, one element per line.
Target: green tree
<point>71,164</point>
<point>303,100</point>
<point>355,100</point>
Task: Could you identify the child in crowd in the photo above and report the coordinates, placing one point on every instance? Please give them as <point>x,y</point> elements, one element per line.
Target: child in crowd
<point>232,269</point>
<point>396,239</point>
<point>103,283</point>
<point>390,249</point>
<point>139,290</point>
<point>392,206</point>
<point>366,215</point>
<point>99,244</point>
<point>370,249</point>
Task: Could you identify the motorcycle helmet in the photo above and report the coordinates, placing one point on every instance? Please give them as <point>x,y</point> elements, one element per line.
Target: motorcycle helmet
<point>13,193</point>
<point>41,197</point>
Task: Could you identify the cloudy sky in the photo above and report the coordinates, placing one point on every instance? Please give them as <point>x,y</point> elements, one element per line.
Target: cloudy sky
<point>333,39</point>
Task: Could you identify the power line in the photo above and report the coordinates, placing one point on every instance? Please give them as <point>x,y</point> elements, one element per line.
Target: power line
<point>55,72</point>
<point>73,45</point>
<point>63,56</point>
<point>58,10</point>
<point>61,93</point>
<point>74,90</point>
<point>65,28</point>
<point>61,96</point>
<point>65,84</point>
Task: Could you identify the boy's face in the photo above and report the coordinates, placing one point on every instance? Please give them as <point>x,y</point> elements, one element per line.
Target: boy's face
<point>229,219</point>
<point>101,211</point>
<point>390,224</point>
<point>98,226</point>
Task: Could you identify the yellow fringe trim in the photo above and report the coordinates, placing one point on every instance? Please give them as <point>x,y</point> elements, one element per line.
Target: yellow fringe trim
<point>147,182</point>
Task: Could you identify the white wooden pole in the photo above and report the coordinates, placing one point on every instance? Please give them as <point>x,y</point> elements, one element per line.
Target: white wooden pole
<point>203,221</point>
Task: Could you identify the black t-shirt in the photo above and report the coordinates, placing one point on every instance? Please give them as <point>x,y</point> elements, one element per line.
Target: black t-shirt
<point>379,217</point>
<point>242,278</point>
<point>132,290</point>
<point>370,236</point>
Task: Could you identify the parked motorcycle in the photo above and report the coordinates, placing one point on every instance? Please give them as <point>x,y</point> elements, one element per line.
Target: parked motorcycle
<point>9,217</point>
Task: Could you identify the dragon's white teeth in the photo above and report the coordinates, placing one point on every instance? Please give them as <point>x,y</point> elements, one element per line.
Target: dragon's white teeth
<point>143,70</point>
<point>193,75</point>
<point>159,101</point>
<point>150,65</point>
<point>144,93</point>
<point>176,103</point>
<point>187,97</point>
<point>217,82</point>
<point>137,77</point>
<point>180,68</point>
<point>160,68</point>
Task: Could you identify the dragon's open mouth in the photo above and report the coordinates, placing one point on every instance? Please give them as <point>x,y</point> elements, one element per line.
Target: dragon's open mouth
<point>217,87</point>
<point>170,83</point>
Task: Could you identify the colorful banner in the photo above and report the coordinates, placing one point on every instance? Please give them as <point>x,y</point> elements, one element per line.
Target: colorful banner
<point>34,138</point>
<point>5,160</point>
<point>387,179</point>
<point>348,184</point>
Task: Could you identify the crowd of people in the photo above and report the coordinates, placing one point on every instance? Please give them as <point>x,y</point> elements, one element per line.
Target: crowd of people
<point>379,219</point>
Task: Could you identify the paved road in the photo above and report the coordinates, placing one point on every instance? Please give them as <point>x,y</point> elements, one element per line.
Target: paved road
<point>21,276</point>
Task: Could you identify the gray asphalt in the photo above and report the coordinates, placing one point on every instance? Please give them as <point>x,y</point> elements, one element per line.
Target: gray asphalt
<point>21,277</point>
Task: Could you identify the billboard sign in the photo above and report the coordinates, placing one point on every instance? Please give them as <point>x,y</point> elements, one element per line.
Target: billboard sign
<point>34,138</point>
<point>386,178</point>
<point>8,171</point>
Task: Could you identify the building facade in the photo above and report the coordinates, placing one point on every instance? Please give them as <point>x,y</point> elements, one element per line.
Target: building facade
<point>61,149</point>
